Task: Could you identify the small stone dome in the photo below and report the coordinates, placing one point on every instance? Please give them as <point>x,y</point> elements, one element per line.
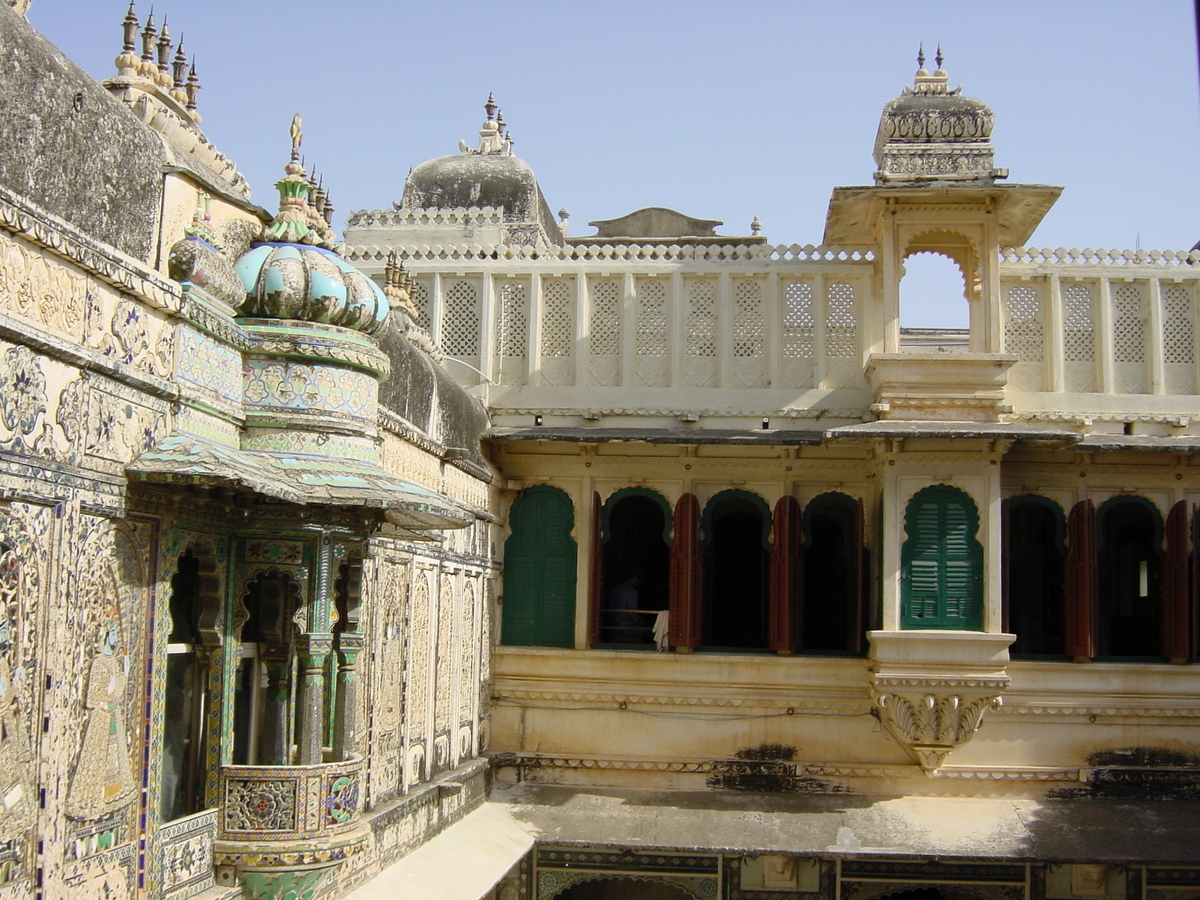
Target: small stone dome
<point>487,176</point>
<point>933,132</point>
<point>312,284</point>
<point>468,180</point>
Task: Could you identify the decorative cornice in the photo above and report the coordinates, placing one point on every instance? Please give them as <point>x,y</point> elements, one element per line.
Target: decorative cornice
<point>63,240</point>
<point>656,253</point>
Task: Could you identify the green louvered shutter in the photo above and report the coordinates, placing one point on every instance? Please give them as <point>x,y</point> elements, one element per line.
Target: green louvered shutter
<point>942,562</point>
<point>539,571</point>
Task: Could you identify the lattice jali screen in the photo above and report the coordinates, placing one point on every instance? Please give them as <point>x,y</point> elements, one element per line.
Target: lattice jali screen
<point>1179,339</point>
<point>841,334</point>
<point>798,333</point>
<point>558,330</point>
<point>604,331</point>
<point>749,329</point>
<point>1024,337</point>
<point>420,301</point>
<point>701,335</point>
<point>513,336</point>
<point>460,320</point>
<point>1079,338</point>
<point>1129,338</point>
<point>650,345</point>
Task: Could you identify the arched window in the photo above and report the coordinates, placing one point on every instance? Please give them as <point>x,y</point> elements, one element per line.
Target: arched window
<point>941,562</point>
<point>736,524</point>
<point>635,565</point>
<point>1129,597</point>
<point>832,618</point>
<point>1034,555</point>
<point>539,570</point>
<point>185,732</point>
<point>932,292</point>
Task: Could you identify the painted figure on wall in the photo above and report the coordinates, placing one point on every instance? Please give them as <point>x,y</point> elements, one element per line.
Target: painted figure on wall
<point>103,779</point>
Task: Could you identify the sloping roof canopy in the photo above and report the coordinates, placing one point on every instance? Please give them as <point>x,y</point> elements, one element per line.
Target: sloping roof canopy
<point>300,478</point>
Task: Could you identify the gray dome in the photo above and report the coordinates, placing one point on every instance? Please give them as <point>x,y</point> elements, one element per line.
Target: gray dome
<point>468,180</point>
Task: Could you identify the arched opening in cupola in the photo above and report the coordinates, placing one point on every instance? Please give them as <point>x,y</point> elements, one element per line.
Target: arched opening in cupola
<point>939,279</point>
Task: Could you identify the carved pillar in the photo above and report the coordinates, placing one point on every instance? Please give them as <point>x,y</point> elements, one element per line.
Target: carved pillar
<point>275,743</point>
<point>346,709</point>
<point>313,650</point>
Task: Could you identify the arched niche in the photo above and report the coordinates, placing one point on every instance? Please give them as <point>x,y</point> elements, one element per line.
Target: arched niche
<point>539,570</point>
<point>1129,534</point>
<point>1034,571</point>
<point>636,526</point>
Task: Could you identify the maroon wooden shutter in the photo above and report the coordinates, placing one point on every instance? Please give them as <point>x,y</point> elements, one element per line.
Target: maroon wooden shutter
<point>686,578</point>
<point>859,559</point>
<point>1175,583</point>
<point>596,581</point>
<point>1006,539</point>
<point>786,612</point>
<point>1081,581</point>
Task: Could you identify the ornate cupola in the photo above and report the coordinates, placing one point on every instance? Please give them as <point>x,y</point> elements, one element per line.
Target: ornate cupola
<point>932,132</point>
<point>294,273</point>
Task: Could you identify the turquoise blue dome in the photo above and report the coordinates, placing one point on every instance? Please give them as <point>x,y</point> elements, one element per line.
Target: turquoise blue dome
<point>311,284</point>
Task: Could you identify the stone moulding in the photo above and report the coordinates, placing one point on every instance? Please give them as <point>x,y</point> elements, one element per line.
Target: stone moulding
<point>63,240</point>
<point>931,689</point>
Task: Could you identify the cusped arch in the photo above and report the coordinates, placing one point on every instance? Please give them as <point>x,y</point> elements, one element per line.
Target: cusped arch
<point>736,494</point>
<point>649,493</point>
<point>595,886</point>
<point>955,246</point>
<point>539,570</point>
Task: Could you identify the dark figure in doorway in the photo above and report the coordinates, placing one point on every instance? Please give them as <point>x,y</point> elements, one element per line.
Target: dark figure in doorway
<point>627,627</point>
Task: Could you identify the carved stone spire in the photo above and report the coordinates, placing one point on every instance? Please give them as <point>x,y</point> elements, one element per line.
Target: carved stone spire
<point>179,75</point>
<point>192,89</point>
<point>127,61</point>
<point>163,77</point>
<point>147,68</point>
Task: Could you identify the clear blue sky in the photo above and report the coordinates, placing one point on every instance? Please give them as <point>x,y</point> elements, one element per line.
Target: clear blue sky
<point>721,110</point>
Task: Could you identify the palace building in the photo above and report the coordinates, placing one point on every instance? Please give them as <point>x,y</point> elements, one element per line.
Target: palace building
<point>470,559</point>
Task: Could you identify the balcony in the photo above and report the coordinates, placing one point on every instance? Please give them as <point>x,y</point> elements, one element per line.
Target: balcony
<point>286,827</point>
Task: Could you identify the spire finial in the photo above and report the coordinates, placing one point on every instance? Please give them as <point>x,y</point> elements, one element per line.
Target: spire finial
<point>130,29</point>
<point>939,59</point>
<point>921,56</point>
<point>297,137</point>
<point>164,55</point>
<point>192,89</point>
<point>127,60</point>
<point>490,107</point>
<point>149,33</point>
<point>500,119</point>
<point>179,74</point>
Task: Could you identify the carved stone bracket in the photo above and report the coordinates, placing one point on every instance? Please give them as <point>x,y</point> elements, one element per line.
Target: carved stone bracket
<point>931,689</point>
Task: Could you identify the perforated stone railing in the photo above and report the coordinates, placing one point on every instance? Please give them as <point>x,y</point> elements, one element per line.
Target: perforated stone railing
<point>356,252</point>
<point>404,216</point>
<point>1104,322</point>
<point>290,803</point>
<point>1090,257</point>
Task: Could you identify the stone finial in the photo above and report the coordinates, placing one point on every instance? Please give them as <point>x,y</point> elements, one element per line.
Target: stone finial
<point>921,57</point>
<point>192,89</point>
<point>756,227</point>
<point>490,107</point>
<point>201,217</point>
<point>179,75</point>
<point>397,285</point>
<point>163,77</point>
<point>127,60</point>
<point>500,120</point>
<point>298,221</point>
<point>147,68</point>
<point>491,137</point>
<point>939,59</point>
<point>563,215</point>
